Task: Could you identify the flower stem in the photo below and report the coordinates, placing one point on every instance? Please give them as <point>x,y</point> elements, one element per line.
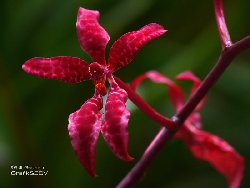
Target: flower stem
<point>226,57</point>
<point>221,24</point>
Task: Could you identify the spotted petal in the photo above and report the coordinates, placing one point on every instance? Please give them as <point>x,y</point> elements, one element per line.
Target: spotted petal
<point>92,36</point>
<point>127,46</point>
<point>67,69</point>
<point>115,126</point>
<point>175,93</point>
<point>84,128</point>
<point>217,152</point>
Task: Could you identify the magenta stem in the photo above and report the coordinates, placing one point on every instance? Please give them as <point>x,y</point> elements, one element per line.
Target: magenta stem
<point>221,24</point>
<point>226,57</point>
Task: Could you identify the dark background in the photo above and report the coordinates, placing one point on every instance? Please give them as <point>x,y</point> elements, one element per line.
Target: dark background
<point>34,112</point>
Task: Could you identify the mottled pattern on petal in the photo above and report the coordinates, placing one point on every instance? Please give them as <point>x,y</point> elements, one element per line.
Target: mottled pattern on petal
<point>115,126</point>
<point>92,36</point>
<point>175,93</point>
<point>217,152</point>
<point>84,128</point>
<point>189,76</point>
<point>67,69</point>
<point>125,48</point>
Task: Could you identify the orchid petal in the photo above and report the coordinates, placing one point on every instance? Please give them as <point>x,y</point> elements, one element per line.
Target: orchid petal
<point>127,46</point>
<point>187,75</point>
<point>67,69</point>
<point>115,126</point>
<point>92,36</point>
<point>216,151</point>
<point>175,93</point>
<point>84,128</point>
<point>195,120</point>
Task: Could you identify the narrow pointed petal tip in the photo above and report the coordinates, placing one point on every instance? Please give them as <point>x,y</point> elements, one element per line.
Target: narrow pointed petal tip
<point>124,50</point>
<point>115,126</point>
<point>84,128</point>
<point>128,158</point>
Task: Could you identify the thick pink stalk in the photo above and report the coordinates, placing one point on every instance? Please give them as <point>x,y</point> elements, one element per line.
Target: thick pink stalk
<point>226,57</point>
<point>221,24</point>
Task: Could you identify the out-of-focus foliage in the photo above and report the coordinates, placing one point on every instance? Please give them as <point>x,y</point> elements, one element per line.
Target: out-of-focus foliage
<point>34,111</point>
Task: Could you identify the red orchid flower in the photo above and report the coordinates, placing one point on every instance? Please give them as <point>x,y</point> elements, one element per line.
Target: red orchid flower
<point>86,123</point>
<point>203,145</point>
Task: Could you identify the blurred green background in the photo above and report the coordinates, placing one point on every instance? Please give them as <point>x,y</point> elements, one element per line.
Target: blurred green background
<point>34,111</point>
